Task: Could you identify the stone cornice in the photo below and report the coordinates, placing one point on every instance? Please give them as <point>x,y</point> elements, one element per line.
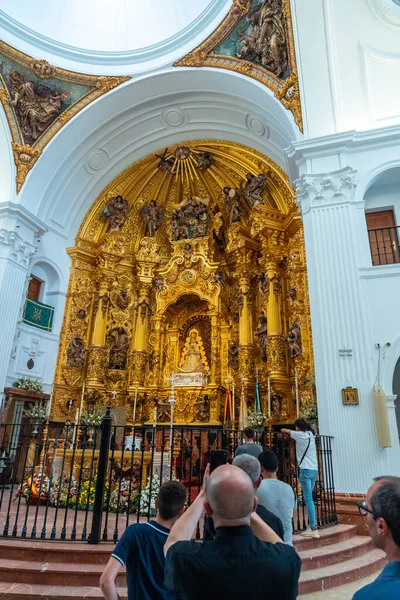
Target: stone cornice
<point>329,189</point>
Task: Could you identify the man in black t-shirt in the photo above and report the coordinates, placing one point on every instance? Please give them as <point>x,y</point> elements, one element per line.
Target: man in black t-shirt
<point>245,560</point>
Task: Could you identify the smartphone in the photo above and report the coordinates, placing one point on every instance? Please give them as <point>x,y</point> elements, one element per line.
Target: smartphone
<point>217,458</point>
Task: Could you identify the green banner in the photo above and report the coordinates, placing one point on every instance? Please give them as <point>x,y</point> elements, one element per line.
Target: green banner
<point>38,314</point>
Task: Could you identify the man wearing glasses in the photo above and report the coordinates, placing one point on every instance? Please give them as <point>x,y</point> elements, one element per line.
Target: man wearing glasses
<point>382,510</point>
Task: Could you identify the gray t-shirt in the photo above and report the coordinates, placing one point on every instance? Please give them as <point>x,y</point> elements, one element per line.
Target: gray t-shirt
<point>252,448</point>
<point>279,498</point>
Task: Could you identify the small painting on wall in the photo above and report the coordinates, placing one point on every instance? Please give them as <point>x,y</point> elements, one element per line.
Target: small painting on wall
<point>350,396</point>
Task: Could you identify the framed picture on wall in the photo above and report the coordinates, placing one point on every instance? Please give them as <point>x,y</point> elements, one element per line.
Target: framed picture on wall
<point>350,396</point>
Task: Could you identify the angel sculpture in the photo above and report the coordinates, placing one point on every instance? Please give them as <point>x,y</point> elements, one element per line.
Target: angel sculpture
<point>153,215</point>
<point>233,197</point>
<point>294,339</point>
<point>204,161</point>
<point>116,211</point>
<point>158,283</point>
<point>254,188</point>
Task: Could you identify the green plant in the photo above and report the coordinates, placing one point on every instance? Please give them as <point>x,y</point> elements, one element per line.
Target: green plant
<point>29,385</point>
<point>36,413</point>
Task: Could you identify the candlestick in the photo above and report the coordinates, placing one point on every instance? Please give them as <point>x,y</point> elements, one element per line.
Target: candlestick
<point>134,407</point>
<point>269,398</point>
<point>82,396</point>
<point>297,397</point>
<point>50,401</point>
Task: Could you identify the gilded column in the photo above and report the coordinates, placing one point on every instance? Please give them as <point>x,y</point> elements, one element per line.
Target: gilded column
<point>97,357</point>
<point>276,347</point>
<point>246,348</point>
<point>139,349</point>
<point>158,322</point>
<point>214,347</point>
<point>147,260</point>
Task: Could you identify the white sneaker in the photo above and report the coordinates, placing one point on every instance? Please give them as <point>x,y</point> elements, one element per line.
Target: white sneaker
<point>310,533</point>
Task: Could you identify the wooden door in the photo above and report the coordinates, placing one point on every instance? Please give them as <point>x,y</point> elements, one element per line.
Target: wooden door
<point>383,238</point>
<point>34,288</point>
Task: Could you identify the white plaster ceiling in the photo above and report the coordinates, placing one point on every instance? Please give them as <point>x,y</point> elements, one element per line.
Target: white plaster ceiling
<point>103,25</point>
<point>109,32</point>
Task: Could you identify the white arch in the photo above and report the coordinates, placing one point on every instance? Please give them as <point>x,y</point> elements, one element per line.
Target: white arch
<point>140,118</point>
<point>369,178</point>
<point>389,365</point>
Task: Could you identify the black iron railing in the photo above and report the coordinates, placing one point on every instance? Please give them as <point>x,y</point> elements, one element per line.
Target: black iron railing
<point>384,245</point>
<point>67,482</point>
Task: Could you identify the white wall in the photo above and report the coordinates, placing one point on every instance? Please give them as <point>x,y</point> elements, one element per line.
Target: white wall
<point>349,63</point>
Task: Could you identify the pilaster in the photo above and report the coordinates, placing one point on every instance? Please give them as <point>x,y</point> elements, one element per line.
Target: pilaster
<point>331,216</point>
<point>19,234</point>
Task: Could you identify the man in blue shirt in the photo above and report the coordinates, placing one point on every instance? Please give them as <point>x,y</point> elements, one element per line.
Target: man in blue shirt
<point>141,548</point>
<point>382,509</point>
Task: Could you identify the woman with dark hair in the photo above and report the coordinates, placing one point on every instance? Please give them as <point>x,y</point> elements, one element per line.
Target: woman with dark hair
<point>306,454</point>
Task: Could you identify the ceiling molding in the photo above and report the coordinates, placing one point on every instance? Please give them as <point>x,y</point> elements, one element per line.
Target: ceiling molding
<point>286,90</point>
<point>386,10</point>
<point>34,117</point>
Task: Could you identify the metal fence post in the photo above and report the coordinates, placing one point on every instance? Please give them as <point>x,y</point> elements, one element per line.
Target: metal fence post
<point>94,536</point>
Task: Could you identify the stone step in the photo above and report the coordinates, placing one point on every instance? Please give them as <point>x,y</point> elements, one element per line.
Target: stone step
<point>53,573</point>
<point>315,558</point>
<point>342,572</point>
<point>8,591</point>
<point>60,552</point>
<point>330,535</point>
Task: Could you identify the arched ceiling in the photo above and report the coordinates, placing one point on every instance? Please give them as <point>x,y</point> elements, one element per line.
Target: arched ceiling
<point>139,119</point>
<point>148,180</point>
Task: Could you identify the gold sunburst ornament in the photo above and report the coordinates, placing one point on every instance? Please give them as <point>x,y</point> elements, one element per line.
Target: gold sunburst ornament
<point>184,162</point>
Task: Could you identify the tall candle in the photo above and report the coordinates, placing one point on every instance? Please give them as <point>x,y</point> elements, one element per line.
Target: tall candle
<point>75,427</point>
<point>134,407</point>
<point>297,397</point>
<point>82,397</point>
<point>269,398</point>
<point>155,417</point>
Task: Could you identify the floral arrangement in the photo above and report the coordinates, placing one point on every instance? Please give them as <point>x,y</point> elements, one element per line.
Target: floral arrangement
<point>310,413</point>
<point>29,385</point>
<point>256,419</point>
<point>148,499</point>
<point>36,413</point>
<point>64,493</point>
<point>92,418</point>
<point>33,486</point>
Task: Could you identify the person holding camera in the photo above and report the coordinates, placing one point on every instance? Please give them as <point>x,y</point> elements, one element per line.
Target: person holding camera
<point>245,558</point>
<point>306,454</point>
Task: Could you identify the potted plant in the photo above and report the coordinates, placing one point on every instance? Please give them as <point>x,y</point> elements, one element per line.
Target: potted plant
<point>90,420</point>
<point>37,415</point>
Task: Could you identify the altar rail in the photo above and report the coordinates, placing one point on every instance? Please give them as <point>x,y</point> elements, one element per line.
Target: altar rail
<point>74,483</point>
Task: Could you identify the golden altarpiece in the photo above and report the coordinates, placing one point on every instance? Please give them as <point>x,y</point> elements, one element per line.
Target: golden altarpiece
<point>191,263</point>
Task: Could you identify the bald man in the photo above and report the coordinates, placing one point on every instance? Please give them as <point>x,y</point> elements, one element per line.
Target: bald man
<point>245,560</point>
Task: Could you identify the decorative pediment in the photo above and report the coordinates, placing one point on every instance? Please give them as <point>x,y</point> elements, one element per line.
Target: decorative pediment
<point>255,39</point>
<point>39,100</point>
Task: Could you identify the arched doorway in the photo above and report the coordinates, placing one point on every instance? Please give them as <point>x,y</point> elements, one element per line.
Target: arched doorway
<point>196,250</point>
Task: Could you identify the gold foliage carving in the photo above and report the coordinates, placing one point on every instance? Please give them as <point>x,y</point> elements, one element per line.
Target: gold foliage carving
<point>25,156</point>
<point>287,91</point>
